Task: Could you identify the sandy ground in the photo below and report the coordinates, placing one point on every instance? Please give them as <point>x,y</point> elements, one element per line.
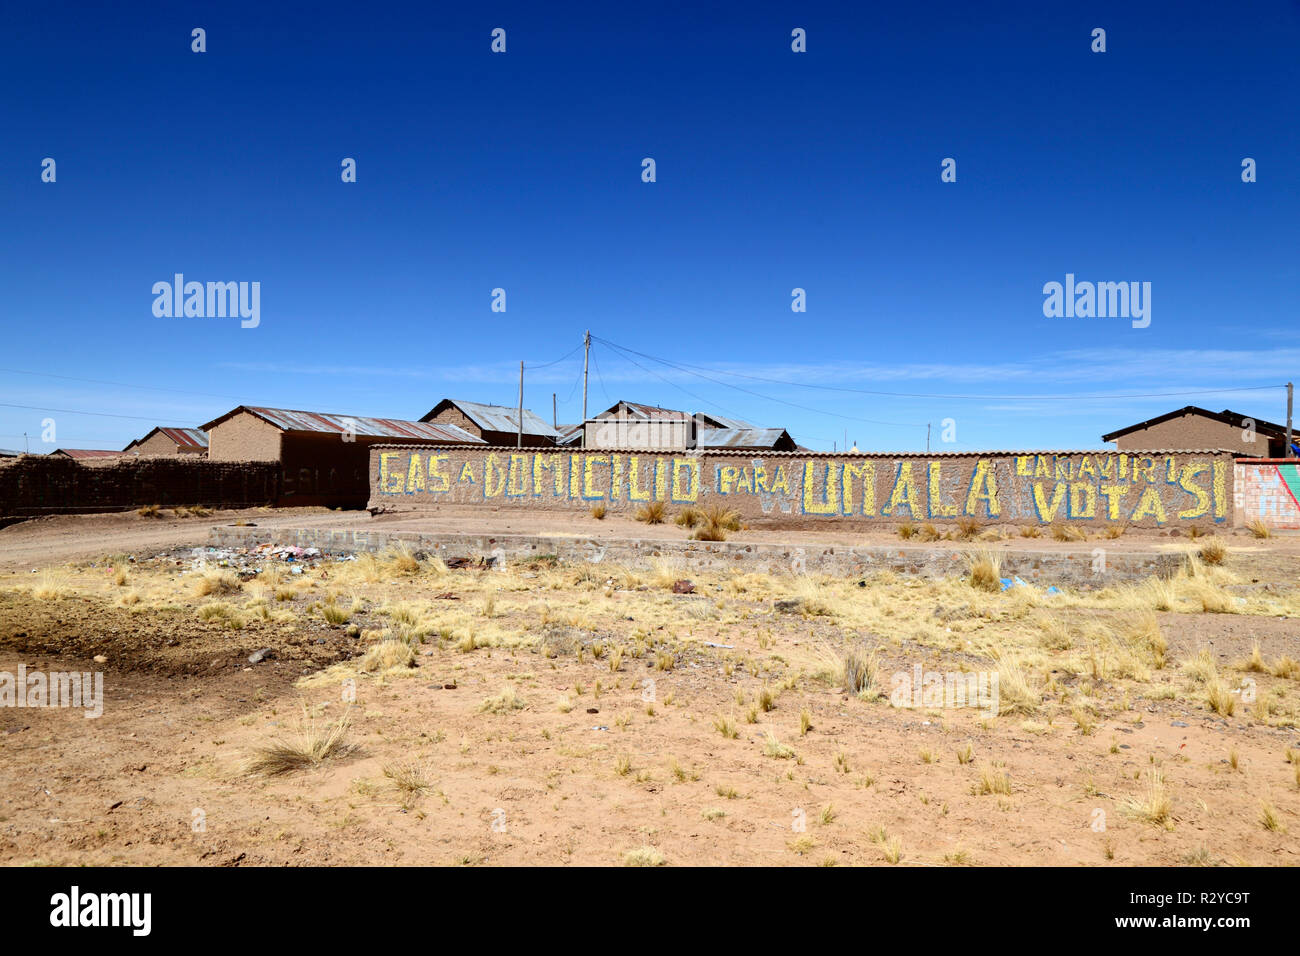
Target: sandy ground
<point>588,768</point>
<point>58,538</point>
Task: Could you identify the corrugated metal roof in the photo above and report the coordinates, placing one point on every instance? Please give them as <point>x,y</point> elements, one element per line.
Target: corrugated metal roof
<point>291,420</point>
<point>500,418</point>
<point>636,410</point>
<point>569,434</point>
<point>726,422</point>
<point>186,437</point>
<point>739,437</point>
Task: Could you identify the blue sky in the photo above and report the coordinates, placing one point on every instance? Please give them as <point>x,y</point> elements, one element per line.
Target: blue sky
<point>775,171</point>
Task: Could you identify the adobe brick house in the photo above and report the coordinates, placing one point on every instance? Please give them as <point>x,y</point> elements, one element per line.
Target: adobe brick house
<point>324,458</point>
<point>170,441</point>
<point>1193,427</point>
<point>494,424</point>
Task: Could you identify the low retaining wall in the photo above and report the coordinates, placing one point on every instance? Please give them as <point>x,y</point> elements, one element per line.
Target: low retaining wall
<point>1145,489</point>
<point>1078,568</point>
<point>35,485</point>
<point>1267,489</point>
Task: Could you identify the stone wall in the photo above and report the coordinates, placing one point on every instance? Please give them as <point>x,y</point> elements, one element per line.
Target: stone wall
<point>36,485</point>
<point>790,489</point>
<point>1076,568</point>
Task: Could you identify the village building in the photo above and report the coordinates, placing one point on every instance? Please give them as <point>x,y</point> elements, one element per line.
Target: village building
<point>494,424</point>
<point>1192,427</point>
<point>170,441</point>
<point>324,457</point>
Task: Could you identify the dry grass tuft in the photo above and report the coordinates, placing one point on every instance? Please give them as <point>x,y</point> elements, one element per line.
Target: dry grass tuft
<point>991,781</point>
<point>387,655</point>
<point>907,531</point>
<point>688,517</point>
<point>598,511</point>
<point>985,572</point>
<point>217,582</point>
<point>1155,807</point>
<point>1258,528</point>
<point>1065,532</point>
<point>1214,550</point>
<point>858,673</point>
<point>643,856</point>
<point>503,703</point>
<point>51,585</point>
<point>312,745</point>
<point>716,521</point>
<point>652,512</point>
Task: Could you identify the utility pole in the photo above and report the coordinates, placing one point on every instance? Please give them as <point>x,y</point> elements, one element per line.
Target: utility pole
<point>1290,396</point>
<point>927,438</point>
<point>555,415</point>
<point>586,356</point>
<point>520,441</point>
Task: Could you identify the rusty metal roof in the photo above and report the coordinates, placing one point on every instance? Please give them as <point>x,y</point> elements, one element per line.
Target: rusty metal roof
<point>184,437</point>
<point>292,420</point>
<point>499,418</point>
<point>739,437</point>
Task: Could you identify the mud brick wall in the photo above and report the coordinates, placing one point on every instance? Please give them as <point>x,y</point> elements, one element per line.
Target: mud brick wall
<point>791,489</point>
<point>1267,490</point>
<point>35,485</point>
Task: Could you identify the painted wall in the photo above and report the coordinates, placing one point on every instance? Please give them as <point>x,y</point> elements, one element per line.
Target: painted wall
<point>1153,489</point>
<point>1269,491</point>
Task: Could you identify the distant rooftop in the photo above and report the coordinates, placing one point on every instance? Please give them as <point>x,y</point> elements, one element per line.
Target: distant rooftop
<point>293,420</point>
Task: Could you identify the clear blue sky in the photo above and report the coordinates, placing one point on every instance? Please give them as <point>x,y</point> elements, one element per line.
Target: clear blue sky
<point>775,170</point>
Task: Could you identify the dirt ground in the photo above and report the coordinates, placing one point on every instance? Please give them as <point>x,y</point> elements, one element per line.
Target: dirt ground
<point>594,715</point>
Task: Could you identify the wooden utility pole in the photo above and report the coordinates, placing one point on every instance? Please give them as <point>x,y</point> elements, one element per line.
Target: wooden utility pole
<point>520,441</point>
<point>927,438</point>
<point>586,356</point>
<point>555,415</point>
<point>1290,397</point>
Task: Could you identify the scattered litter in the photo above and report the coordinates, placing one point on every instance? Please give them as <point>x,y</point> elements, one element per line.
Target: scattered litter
<point>602,727</point>
<point>727,647</point>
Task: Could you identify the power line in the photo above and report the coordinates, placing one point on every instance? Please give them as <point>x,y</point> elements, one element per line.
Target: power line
<point>768,398</point>
<point>685,367</point>
<point>99,381</point>
<point>675,385</point>
<point>72,411</point>
<point>601,379</point>
<point>557,361</point>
